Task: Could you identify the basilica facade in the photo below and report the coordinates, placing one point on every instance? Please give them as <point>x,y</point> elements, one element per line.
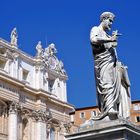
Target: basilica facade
<point>33,93</point>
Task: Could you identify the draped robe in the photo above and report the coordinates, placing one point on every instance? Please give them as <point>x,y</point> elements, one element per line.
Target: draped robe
<point>109,73</point>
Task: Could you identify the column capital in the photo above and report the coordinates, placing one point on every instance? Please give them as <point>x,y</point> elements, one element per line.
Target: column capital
<point>67,127</point>
<point>12,121</point>
<point>39,66</point>
<point>13,107</point>
<point>40,115</point>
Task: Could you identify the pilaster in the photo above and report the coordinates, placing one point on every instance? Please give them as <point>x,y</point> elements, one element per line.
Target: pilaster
<point>39,74</point>
<point>12,121</point>
<point>40,118</point>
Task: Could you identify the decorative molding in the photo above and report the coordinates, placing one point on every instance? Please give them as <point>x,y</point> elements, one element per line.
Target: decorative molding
<point>9,88</point>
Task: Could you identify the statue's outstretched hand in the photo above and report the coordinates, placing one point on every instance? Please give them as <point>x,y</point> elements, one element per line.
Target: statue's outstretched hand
<point>114,37</point>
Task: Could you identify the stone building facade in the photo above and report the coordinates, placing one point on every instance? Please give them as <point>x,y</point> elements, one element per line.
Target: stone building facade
<point>135,112</point>
<point>33,94</point>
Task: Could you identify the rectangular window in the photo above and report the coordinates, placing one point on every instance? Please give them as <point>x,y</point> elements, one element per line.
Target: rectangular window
<point>72,118</point>
<point>82,115</point>
<point>136,106</point>
<point>2,64</point>
<point>93,113</point>
<point>137,118</point>
<point>25,75</point>
<point>51,85</point>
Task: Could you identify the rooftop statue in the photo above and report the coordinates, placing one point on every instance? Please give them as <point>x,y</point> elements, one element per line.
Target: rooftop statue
<point>52,61</point>
<point>49,56</point>
<point>112,82</point>
<point>50,50</point>
<point>39,49</point>
<point>14,37</point>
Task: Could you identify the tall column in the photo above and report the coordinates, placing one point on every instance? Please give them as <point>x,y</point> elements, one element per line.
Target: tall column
<point>33,129</point>
<point>12,122</point>
<point>57,133</point>
<point>40,117</point>
<point>41,130</point>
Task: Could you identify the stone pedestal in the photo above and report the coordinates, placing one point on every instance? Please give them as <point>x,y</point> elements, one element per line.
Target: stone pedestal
<point>107,130</point>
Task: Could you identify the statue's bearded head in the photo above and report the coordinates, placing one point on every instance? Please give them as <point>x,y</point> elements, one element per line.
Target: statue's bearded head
<point>107,19</point>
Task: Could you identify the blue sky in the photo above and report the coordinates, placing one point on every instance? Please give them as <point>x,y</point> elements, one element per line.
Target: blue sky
<point>67,23</point>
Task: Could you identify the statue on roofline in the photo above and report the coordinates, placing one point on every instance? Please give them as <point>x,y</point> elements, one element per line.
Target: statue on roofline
<point>49,58</point>
<point>14,37</point>
<point>50,50</point>
<point>39,49</point>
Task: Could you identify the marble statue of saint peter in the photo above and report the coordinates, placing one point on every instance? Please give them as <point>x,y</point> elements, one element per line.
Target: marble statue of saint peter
<point>112,82</point>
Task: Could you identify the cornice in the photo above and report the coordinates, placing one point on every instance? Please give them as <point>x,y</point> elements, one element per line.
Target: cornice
<point>54,73</point>
<point>7,45</point>
<point>12,80</point>
<point>61,103</point>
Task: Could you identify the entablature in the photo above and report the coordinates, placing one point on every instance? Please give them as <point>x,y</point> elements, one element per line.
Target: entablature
<point>19,89</point>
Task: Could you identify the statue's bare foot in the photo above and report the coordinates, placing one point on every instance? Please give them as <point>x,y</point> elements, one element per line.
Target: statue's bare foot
<point>113,114</point>
<point>112,111</point>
